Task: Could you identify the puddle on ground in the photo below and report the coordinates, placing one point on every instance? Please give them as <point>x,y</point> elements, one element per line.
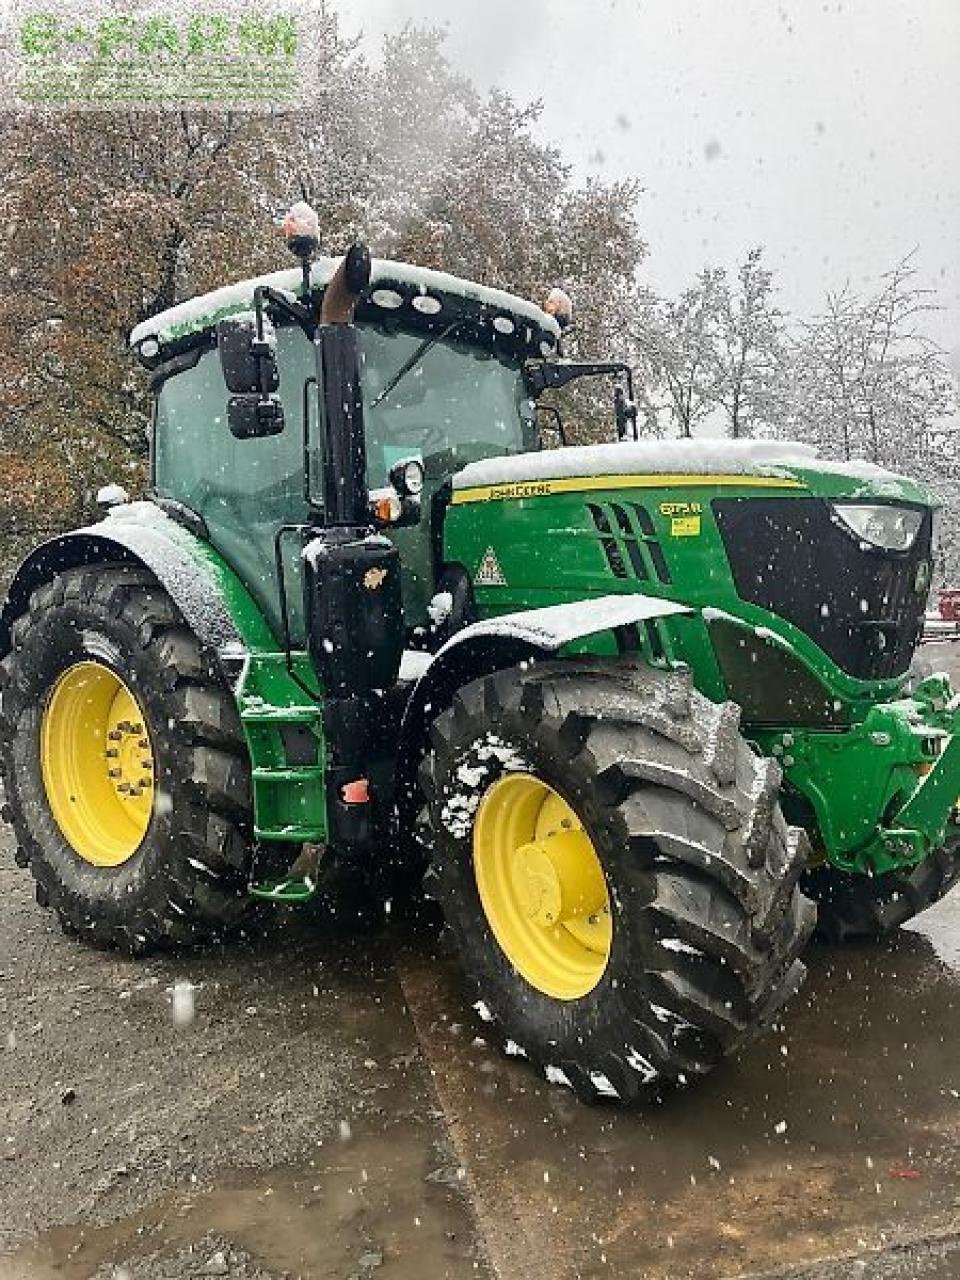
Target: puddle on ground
<point>375,1204</point>
<point>376,1193</point>
<point>837,1133</point>
<point>830,1136</point>
<point>941,925</point>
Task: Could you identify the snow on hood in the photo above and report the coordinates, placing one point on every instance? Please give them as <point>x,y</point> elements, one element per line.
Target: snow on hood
<point>206,310</point>
<point>775,458</point>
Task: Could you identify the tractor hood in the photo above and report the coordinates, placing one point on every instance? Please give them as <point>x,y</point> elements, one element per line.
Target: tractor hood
<point>699,462</point>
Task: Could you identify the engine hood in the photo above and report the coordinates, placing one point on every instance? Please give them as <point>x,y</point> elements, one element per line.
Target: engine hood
<point>699,462</point>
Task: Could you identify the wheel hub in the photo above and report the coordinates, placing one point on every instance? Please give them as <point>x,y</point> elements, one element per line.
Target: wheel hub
<point>128,754</point>
<point>97,764</point>
<point>542,886</point>
<point>558,878</point>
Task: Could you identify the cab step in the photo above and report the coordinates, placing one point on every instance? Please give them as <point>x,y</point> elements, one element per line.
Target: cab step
<point>292,892</point>
<point>298,884</point>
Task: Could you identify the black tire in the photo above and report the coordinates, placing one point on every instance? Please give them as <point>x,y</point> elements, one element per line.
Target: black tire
<point>855,906</point>
<point>702,871</point>
<point>188,878</point>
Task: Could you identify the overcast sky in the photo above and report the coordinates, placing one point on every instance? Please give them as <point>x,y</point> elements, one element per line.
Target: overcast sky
<point>829,132</point>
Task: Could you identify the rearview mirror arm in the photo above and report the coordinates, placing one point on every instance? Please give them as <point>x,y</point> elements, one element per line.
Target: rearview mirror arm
<point>302,315</point>
<point>550,375</point>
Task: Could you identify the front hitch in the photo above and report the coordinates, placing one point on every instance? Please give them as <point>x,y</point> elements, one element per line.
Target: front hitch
<point>923,823</point>
<point>884,792</point>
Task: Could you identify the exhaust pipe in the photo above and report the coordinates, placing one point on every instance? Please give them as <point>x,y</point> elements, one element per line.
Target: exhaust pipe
<point>345,453</point>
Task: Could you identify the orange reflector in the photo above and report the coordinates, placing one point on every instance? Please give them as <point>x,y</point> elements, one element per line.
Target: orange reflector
<point>356,792</point>
<point>386,508</point>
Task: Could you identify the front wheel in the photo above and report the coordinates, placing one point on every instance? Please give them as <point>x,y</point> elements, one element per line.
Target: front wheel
<point>123,763</point>
<point>612,863</point>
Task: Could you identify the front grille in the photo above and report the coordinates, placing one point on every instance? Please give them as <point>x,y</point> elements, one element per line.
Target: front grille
<point>629,541</point>
<point>859,603</point>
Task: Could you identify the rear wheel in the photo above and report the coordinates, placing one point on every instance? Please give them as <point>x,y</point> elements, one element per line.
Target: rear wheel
<point>856,906</point>
<point>124,768</point>
<point>612,863</point>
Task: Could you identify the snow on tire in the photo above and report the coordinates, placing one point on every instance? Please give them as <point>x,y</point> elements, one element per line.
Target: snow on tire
<point>702,871</point>
<point>188,879</point>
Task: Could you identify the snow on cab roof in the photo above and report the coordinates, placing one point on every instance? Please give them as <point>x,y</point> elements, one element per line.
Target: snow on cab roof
<point>203,312</point>
<point>697,456</point>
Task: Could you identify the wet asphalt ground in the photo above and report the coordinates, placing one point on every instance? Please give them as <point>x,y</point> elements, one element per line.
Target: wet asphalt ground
<point>331,1110</point>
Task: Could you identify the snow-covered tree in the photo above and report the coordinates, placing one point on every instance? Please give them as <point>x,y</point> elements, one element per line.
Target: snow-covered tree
<point>867,379</point>
<point>676,346</point>
<point>716,354</point>
<point>750,350</point>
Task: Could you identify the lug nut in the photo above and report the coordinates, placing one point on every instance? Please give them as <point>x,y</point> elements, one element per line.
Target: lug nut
<point>113,773</point>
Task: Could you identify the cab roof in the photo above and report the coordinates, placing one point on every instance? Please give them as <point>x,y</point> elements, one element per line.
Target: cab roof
<point>399,291</point>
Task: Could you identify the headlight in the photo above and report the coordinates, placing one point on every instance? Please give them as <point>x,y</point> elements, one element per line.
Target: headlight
<point>892,528</point>
<point>406,476</point>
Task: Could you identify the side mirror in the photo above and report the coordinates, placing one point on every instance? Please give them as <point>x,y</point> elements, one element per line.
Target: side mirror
<point>252,416</point>
<point>248,364</point>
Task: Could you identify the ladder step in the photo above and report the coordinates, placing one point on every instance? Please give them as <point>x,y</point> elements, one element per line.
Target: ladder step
<point>283,715</point>
<point>291,773</point>
<point>291,835</point>
<point>289,891</point>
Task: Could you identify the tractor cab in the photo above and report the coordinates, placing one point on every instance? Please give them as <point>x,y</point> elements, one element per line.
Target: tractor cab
<point>442,379</point>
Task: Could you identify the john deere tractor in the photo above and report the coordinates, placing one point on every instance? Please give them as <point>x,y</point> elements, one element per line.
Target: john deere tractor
<point>636,705</point>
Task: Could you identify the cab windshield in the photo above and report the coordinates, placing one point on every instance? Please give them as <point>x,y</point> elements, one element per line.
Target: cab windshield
<point>457,404</point>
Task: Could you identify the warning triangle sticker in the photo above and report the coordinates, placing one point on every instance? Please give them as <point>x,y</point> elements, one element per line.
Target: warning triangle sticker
<point>489,573</point>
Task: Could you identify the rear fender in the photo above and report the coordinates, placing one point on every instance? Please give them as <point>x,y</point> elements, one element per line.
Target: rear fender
<point>214,602</point>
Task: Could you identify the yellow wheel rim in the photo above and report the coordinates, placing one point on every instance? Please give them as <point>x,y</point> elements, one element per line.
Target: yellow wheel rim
<point>97,764</point>
<point>542,886</point>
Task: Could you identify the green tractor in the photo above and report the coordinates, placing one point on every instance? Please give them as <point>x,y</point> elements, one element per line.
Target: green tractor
<point>634,707</point>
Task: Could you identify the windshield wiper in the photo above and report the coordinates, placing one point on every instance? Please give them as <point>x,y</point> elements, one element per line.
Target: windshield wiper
<point>413,360</point>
